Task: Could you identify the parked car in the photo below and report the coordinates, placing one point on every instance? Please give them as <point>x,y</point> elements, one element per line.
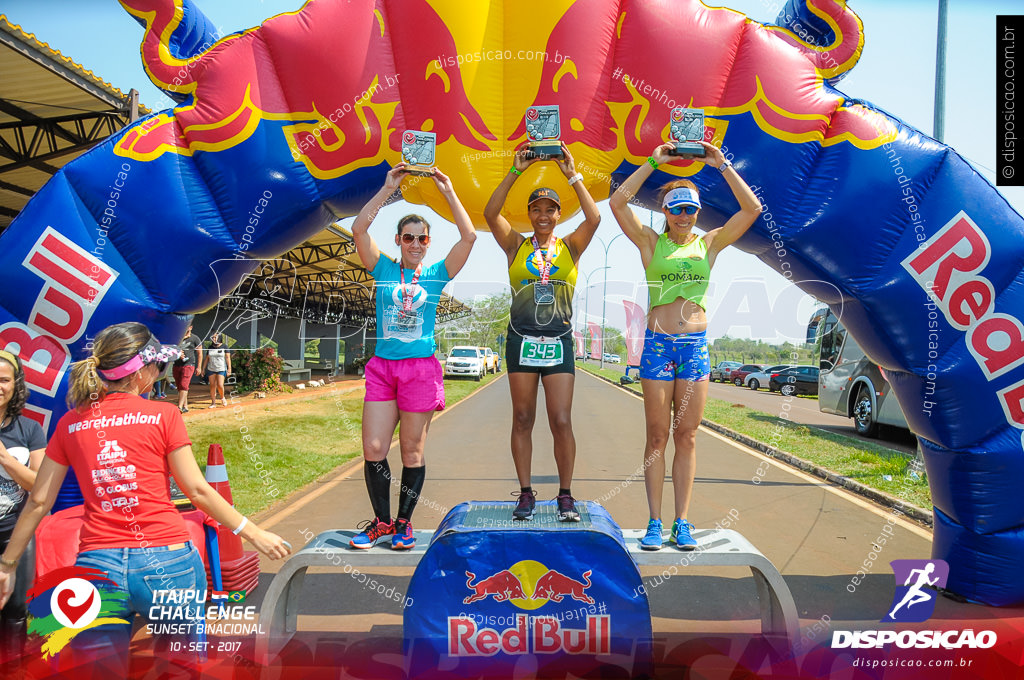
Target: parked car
<point>739,375</point>
<point>795,380</point>
<point>490,360</point>
<point>465,361</point>
<point>613,358</point>
<point>759,379</point>
<point>722,371</point>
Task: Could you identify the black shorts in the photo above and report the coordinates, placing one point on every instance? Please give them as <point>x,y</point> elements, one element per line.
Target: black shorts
<point>514,345</point>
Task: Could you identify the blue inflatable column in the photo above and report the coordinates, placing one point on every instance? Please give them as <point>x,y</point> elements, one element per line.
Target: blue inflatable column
<point>492,596</point>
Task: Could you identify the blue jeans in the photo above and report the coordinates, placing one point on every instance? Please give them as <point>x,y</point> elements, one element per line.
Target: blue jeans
<point>139,572</point>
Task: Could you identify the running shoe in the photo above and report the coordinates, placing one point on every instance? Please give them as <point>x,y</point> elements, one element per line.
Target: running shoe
<point>652,539</point>
<point>403,538</point>
<point>681,535</point>
<point>373,530</point>
<point>567,509</point>
<point>524,505</point>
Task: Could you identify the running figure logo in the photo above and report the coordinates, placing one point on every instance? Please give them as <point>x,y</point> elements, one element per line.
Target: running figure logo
<point>911,603</point>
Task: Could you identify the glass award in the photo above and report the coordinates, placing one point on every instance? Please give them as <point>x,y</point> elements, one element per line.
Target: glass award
<point>686,129</point>
<point>544,131</point>
<point>418,151</point>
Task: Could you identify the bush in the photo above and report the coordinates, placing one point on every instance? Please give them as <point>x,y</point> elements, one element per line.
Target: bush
<point>258,369</point>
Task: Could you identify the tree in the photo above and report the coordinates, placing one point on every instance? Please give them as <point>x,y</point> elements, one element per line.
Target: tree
<point>481,328</point>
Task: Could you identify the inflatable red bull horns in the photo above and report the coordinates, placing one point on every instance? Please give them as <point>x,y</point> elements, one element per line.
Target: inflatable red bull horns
<point>285,127</point>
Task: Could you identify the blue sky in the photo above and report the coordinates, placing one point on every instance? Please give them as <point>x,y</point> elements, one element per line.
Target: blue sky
<point>895,73</point>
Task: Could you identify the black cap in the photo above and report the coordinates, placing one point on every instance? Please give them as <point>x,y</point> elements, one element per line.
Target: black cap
<point>543,192</point>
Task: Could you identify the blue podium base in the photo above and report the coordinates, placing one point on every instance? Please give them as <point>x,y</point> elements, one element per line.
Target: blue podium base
<point>497,597</point>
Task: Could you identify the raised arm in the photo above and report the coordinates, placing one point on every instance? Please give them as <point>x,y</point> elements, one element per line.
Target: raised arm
<point>750,206</point>
<point>366,247</point>
<point>459,253</point>
<point>643,237</point>
<point>579,239</point>
<point>508,239</point>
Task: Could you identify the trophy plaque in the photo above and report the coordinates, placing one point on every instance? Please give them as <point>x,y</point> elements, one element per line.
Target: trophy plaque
<point>418,151</point>
<point>544,131</point>
<point>687,131</point>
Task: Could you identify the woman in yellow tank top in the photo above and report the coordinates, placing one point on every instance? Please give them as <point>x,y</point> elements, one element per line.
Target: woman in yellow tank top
<point>675,366</point>
<point>542,274</point>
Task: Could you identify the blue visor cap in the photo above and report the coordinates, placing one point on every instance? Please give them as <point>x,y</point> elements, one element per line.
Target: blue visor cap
<point>680,197</point>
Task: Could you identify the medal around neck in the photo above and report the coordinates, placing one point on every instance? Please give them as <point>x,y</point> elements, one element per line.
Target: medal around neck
<point>687,131</point>
<point>545,131</point>
<point>418,151</point>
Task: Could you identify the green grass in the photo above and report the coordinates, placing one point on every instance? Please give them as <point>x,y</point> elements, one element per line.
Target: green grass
<point>865,462</point>
<point>272,450</point>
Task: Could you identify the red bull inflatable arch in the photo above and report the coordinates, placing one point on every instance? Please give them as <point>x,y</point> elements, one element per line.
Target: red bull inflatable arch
<point>283,128</point>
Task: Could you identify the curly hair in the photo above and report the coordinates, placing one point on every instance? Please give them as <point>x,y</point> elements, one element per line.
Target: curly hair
<point>20,394</point>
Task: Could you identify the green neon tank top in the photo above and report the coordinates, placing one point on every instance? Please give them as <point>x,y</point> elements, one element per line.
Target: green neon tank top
<point>679,271</point>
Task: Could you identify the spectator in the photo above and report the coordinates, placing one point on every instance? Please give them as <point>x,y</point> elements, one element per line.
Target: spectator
<point>135,534</point>
<point>217,367</point>
<point>184,368</point>
<point>22,445</point>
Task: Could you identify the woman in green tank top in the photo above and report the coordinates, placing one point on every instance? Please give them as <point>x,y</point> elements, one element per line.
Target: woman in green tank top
<point>674,368</point>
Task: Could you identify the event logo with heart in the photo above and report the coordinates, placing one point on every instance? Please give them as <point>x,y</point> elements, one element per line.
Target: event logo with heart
<point>64,602</point>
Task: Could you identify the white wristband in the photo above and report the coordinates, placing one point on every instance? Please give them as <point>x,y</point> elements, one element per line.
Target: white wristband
<point>245,520</point>
<point>575,178</point>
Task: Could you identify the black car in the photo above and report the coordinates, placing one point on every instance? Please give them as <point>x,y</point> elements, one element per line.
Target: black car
<point>796,380</point>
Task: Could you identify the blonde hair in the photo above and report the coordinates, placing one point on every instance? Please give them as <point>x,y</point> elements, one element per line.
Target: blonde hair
<point>114,346</point>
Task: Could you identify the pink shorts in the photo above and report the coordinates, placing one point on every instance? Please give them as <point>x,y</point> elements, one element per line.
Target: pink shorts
<point>416,384</point>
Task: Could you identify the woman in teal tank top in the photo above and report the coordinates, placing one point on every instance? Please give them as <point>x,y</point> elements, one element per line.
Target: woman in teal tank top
<point>674,368</point>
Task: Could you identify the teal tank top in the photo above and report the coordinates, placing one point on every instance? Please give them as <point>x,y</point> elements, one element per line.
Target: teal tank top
<point>679,271</point>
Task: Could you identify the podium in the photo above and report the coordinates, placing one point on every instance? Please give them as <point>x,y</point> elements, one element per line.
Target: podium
<point>490,594</point>
<point>493,596</point>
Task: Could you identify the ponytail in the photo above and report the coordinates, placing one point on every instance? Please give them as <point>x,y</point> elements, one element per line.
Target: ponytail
<point>114,346</point>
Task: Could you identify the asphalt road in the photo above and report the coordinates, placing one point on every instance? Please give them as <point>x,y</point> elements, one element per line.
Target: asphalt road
<point>803,410</point>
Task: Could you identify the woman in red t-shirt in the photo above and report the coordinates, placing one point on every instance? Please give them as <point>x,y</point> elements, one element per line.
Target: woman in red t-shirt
<point>123,449</point>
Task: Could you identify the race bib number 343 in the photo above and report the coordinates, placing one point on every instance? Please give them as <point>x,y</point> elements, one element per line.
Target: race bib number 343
<point>540,352</point>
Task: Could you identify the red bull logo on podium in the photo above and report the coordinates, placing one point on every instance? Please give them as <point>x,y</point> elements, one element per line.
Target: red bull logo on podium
<point>529,585</point>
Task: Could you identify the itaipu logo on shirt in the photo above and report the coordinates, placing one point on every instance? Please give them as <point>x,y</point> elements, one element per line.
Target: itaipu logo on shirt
<point>534,262</point>
<point>419,296</point>
<point>67,601</point>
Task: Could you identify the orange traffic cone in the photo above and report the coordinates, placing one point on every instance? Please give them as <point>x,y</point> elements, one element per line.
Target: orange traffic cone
<point>239,569</point>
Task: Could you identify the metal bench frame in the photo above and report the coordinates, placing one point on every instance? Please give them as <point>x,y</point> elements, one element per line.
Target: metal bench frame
<point>715,548</point>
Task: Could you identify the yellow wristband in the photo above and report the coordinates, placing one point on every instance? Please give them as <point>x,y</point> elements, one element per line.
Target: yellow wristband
<point>8,563</point>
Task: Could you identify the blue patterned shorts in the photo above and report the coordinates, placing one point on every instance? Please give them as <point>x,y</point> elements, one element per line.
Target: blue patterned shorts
<point>675,357</point>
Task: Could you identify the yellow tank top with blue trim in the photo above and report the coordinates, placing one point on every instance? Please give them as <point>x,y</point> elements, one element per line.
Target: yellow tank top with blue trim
<point>679,271</point>
<point>527,317</point>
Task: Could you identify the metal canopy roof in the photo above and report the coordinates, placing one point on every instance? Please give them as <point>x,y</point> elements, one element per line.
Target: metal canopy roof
<point>51,111</point>
<point>322,281</point>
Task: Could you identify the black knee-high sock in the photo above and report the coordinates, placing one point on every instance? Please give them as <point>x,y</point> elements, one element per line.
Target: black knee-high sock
<point>412,485</point>
<point>378,483</point>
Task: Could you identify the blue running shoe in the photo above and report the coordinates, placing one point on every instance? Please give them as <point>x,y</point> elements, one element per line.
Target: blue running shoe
<point>403,538</point>
<point>681,535</point>
<point>652,539</point>
<point>374,531</point>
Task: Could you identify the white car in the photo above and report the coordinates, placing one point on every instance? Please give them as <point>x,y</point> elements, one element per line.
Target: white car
<point>760,379</point>
<point>612,358</point>
<point>465,361</point>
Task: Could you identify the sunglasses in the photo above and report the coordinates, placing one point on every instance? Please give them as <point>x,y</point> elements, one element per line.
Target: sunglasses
<point>409,238</point>
<point>679,209</point>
